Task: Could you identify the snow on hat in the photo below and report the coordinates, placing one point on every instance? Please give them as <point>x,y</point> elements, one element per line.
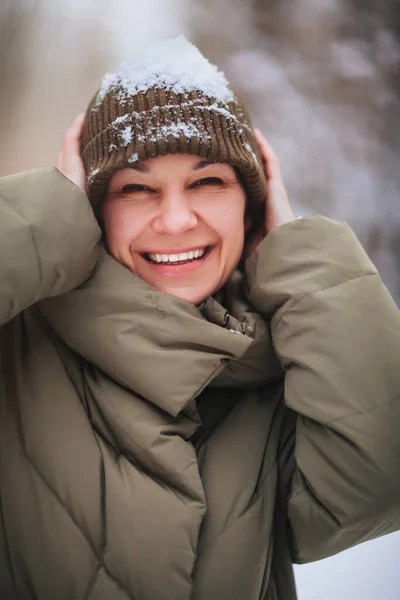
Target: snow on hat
<point>169,99</point>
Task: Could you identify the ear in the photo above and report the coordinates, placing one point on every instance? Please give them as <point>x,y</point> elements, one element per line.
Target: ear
<point>248,223</point>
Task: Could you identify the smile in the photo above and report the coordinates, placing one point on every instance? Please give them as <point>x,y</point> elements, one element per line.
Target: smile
<point>177,258</point>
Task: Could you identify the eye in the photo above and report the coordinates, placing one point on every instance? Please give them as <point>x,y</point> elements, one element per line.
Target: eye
<point>207,181</point>
<point>134,187</point>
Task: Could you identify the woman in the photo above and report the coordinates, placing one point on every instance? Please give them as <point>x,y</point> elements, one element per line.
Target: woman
<point>154,444</point>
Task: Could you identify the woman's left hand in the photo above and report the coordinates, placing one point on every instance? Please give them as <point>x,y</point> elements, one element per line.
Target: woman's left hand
<point>278,209</point>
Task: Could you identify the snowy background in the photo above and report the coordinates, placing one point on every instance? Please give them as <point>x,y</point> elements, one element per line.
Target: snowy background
<point>322,81</point>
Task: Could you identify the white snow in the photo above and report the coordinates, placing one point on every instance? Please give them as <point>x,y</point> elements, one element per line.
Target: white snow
<point>173,64</point>
<point>93,174</point>
<point>187,104</point>
<point>175,129</point>
<point>133,158</point>
<point>127,135</point>
<point>153,133</point>
<point>250,151</point>
<point>189,126</point>
<point>120,119</point>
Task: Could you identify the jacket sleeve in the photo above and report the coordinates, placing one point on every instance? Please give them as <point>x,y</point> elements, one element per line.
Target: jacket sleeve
<point>336,331</point>
<point>48,238</point>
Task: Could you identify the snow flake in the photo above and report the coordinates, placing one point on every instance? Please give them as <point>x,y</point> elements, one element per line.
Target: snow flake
<point>120,119</point>
<point>127,135</point>
<point>93,174</point>
<point>251,151</point>
<point>133,158</point>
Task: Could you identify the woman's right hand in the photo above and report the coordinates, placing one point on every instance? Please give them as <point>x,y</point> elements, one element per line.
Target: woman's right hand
<point>69,161</point>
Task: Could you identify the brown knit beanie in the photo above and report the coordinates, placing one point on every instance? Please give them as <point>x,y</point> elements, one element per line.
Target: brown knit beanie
<point>169,100</point>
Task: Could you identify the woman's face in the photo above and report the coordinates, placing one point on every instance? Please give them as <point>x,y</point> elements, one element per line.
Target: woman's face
<point>178,222</point>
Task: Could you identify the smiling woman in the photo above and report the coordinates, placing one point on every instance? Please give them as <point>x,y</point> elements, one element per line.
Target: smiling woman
<point>178,222</point>
<point>173,427</point>
<point>174,167</point>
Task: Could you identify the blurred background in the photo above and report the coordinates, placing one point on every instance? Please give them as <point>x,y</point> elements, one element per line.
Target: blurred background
<point>322,81</point>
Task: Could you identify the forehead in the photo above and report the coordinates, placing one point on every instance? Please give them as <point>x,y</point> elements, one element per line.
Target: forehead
<point>173,164</point>
<point>191,162</point>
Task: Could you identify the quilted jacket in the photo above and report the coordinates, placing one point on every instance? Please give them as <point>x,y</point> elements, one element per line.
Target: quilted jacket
<point>151,449</point>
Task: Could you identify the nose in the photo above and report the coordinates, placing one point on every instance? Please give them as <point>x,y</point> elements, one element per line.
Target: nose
<point>175,215</point>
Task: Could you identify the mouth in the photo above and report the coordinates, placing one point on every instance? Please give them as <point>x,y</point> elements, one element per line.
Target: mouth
<point>178,258</point>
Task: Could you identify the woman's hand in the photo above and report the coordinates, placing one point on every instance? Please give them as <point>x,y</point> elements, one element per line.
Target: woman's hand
<point>278,210</point>
<point>69,161</point>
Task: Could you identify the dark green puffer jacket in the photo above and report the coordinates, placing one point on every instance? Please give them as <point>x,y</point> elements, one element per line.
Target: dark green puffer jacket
<point>155,450</point>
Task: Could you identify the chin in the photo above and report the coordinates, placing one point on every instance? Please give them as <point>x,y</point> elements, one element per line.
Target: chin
<point>192,295</point>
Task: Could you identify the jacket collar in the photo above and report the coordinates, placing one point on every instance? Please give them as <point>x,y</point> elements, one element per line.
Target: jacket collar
<point>163,348</point>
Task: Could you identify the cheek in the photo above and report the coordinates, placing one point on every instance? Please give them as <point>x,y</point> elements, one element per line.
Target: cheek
<point>121,227</point>
<point>228,221</point>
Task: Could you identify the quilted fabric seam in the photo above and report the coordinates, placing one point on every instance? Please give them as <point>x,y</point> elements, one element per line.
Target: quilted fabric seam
<point>92,587</point>
<point>323,289</point>
<point>363,412</point>
<point>102,564</point>
<point>120,455</point>
<point>32,234</point>
<point>92,582</point>
<point>13,577</point>
<point>57,497</point>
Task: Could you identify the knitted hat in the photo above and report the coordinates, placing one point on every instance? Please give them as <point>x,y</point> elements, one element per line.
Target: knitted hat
<point>169,100</point>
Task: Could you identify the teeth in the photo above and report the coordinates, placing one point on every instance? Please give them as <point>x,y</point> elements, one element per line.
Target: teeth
<point>177,257</point>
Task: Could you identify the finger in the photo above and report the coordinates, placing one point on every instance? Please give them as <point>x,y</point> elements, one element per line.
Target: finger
<point>271,161</point>
<point>279,209</point>
<point>73,134</point>
<point>78,121</point>
<point>71,145</point>
<point>59,162</point>
<point>277,193</point>
<point>265,145</point>
<point>75,129</point>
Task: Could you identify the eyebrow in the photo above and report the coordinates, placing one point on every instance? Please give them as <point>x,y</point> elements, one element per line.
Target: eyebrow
<point>142,168</point>
<point>203,163</point>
